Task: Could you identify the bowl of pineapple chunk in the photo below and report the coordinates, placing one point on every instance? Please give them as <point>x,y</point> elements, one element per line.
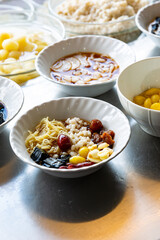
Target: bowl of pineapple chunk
<point>138,89</point>
<point>20,44</point>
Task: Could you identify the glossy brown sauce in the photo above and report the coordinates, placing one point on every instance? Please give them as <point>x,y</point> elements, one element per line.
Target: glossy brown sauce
<point>84,68</point>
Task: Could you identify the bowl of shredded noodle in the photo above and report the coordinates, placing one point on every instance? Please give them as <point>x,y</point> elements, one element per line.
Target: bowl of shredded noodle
<point>42,125</point>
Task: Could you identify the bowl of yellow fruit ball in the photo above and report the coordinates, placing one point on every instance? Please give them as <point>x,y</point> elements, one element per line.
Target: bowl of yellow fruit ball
<point>20,44</point>
<point>138,89</point>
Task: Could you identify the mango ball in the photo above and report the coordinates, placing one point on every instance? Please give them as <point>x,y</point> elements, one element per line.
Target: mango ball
<point>151,91</point>
<point>3,54</point>
<point>4,36</point>
<point>155,98</point>
<point>10,45</point>
<point>22,41</point>
<point>155,106</point>
<point>147,103</point>
<point>139,100</point>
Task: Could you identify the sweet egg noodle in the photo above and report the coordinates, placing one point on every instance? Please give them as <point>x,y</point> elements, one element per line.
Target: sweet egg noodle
<point>45,136</point>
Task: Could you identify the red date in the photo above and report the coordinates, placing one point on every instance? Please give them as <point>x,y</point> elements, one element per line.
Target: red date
<point>96,125</point>
<point>64,142</point>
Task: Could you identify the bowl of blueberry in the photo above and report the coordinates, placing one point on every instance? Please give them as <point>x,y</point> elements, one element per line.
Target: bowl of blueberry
<point>11,101</point>
<point>148,21</point>
<point>70,137</point>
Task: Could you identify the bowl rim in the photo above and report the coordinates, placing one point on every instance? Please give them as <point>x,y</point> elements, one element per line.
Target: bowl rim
<point>11,82</point>
<point>138,22</point>
<point>40,55</point>
<point>85,23</point>
<point>17,9</point>
<point>32,163</point>
<point>119,91</point>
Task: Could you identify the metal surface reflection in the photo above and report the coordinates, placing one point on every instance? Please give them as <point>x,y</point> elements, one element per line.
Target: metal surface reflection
<point>120,201</point>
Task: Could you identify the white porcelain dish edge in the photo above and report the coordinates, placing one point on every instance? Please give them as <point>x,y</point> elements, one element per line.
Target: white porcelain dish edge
<point>12,96</point>
<point>116,49</point>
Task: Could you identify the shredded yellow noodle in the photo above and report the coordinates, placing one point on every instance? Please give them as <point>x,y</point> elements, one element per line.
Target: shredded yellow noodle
<point>45,136</point>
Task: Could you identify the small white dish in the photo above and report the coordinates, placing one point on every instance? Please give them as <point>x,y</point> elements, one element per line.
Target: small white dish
<point>145,16</point>
<point>116,49</point>
<point>135,79</point>
<point>11,95</point>
<point>60,109</point>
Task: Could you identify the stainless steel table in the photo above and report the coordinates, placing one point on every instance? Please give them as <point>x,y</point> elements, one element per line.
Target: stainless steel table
<point>120,201</point>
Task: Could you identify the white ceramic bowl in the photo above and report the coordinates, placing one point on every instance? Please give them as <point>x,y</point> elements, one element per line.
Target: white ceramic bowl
<point>60,109</point>
<point>145,16</point>
<point>11,96</point>
<point>116,49</point>
<point>135,79</point>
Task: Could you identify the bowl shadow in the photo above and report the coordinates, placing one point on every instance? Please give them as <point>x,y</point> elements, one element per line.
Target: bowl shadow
<point>9,166</point>
<point>145,153</point>
<point>75,200</point>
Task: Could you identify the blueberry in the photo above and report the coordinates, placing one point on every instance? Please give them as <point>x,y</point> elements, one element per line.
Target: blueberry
<point>38,155</point>
<point>154,26</point>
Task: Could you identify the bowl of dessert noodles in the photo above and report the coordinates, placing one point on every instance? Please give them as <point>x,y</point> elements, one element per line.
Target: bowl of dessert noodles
<point>99,17</point>
<point>22,40</point>
<point>11,101</point>
<point>70,137</point>
<point>84,65</point>
<point>138,89</point>
<point>148,21</point>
